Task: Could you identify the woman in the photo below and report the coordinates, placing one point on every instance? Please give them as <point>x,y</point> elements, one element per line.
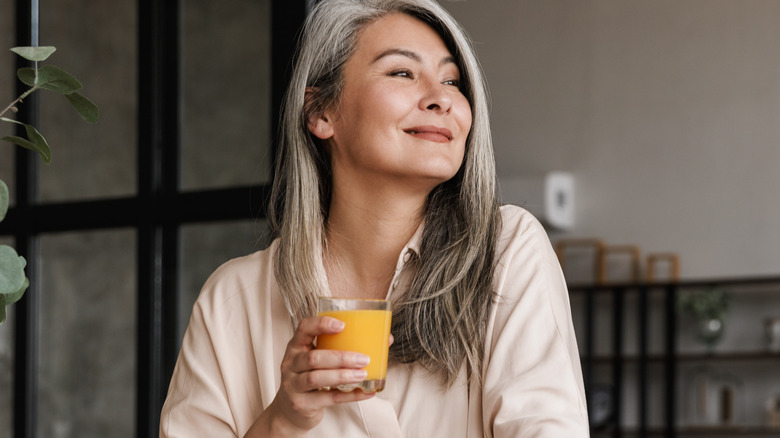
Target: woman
<point>385,187</point>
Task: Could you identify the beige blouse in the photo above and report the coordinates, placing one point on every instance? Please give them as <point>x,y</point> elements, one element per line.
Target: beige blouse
<point>228,370</point>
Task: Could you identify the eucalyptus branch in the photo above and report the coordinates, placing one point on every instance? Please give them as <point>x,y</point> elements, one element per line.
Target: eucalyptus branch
<point>13,281</point>
<point>19,99</point>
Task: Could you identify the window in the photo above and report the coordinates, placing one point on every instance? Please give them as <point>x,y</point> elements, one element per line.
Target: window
<point>121,230</point>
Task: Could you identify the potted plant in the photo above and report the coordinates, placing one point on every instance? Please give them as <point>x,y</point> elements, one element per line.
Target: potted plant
<point>708,307</point>
<point>13,281</point>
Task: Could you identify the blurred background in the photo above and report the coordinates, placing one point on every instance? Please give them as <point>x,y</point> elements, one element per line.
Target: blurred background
<point>664,114</point>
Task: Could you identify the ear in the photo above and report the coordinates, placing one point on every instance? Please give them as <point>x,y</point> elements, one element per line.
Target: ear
<point>320,125</point>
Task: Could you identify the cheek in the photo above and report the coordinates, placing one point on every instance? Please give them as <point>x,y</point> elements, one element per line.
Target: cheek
<point>464,120</point>
<point>463,115</point>
<point>375,108</point>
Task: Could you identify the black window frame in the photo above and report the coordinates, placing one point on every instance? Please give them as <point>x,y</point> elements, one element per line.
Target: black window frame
<point>157,210</point>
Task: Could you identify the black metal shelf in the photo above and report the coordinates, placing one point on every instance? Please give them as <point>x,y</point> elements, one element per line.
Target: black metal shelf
<point>733,356</point>
<point>667,355</point>
<point>731,431</point>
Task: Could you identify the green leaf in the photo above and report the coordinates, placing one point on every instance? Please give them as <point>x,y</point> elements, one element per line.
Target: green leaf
<point>4,199</point>
<point>36,142</point>
<point>56,79</point>
<point>16,296</point>
<point>34,53</point>
<point>26,75</point>
<point>42,147</point>
<point>87,110</point>
<point>12,277</point>
<point>7,299</point>
<point>19,141</point>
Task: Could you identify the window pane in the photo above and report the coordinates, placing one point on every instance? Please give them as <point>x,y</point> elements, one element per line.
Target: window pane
<point>205,247</point>
<point>7,77</point>
<point>87,359</point>
<point>6,367</point>
<point>96,42</point>
<point>7,84</point>
<point>227,93</point>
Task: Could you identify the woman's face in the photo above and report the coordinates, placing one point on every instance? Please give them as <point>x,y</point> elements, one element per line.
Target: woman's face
<point>401,118</point>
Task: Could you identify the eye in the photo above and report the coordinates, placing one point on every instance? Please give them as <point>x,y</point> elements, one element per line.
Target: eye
<point>452,82</point>
<point>403,73</point>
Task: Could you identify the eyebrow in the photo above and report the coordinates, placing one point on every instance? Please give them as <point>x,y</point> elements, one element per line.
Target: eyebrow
<point>411,55</point>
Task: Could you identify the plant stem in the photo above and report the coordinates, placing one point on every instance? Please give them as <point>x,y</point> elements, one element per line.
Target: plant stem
<point>18,99</point>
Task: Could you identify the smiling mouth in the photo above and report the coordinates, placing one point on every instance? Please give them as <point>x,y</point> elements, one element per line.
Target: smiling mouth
<point>440,135</point>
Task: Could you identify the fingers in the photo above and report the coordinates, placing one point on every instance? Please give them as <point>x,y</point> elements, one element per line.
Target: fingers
<point>305,371</point>
<point>310,328</point>
<point>317,379</point>
<point>328,359</point>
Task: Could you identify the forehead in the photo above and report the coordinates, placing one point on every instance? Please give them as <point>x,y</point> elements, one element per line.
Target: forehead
<point>399,30</point>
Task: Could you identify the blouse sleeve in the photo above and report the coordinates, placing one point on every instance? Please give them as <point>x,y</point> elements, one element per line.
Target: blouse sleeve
<point>533,380</point>
<point>197,403</point>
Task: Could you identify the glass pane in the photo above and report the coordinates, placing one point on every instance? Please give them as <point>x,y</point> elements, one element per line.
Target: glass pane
<point>96,42</point>
<point>7,78</point>
<point>7,84</point>
<point>227,93</point>
<point>87,360</point>
<point>6,367</point>
<point>205,247</point>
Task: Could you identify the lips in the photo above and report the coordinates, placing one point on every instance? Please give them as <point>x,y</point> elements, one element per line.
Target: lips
<point>432,133</point>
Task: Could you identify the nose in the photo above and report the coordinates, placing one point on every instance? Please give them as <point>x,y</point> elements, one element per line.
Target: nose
<point>435,97</point>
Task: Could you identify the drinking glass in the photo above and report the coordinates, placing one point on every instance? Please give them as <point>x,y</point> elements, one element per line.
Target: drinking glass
<point>366,331</point>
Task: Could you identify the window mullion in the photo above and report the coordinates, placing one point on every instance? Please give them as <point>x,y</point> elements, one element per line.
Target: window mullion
<point>158,151</point>
<point>26,336</point>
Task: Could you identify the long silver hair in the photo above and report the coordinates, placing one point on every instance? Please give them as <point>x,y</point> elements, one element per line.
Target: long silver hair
<point>441,321</point>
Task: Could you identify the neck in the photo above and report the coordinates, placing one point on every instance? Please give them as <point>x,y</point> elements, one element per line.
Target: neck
<point>364,238</point>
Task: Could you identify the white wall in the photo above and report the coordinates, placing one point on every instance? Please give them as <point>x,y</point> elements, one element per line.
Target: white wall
<point>667,112</point>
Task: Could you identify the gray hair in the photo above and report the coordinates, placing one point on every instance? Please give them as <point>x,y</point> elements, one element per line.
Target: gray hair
<point>441,320</point>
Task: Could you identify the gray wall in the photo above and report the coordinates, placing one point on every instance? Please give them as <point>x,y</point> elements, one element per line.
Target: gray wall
<point>666,112</point>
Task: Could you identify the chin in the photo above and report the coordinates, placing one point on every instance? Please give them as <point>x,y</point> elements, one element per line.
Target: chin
<point>434,179</point>
<point>445,173</point>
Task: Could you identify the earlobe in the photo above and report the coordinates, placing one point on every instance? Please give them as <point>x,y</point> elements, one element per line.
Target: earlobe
<point>320,126</point>
<point>318,123</point>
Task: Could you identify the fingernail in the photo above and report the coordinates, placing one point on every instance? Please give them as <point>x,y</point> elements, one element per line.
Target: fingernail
<point>360,374</point>
<point>362,360</point>
<point>335,324</point>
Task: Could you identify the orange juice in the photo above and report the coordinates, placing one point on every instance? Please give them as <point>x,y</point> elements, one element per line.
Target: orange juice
<point>365,331</point>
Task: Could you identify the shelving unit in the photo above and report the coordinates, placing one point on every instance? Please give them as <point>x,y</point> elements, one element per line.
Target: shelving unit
<point>632,340</point>
<point>694,357</point>
<point>714,431</point>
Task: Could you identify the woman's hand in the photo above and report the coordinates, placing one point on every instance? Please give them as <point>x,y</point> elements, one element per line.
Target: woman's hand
<point>299,404</point>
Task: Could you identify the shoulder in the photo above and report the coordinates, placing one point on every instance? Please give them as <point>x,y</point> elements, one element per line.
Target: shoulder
<point>521,229</point>
<point>525,256</point>
<point>239,281</point>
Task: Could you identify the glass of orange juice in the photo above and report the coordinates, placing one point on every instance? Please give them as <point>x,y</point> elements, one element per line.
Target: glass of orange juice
<point>366,331</point>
